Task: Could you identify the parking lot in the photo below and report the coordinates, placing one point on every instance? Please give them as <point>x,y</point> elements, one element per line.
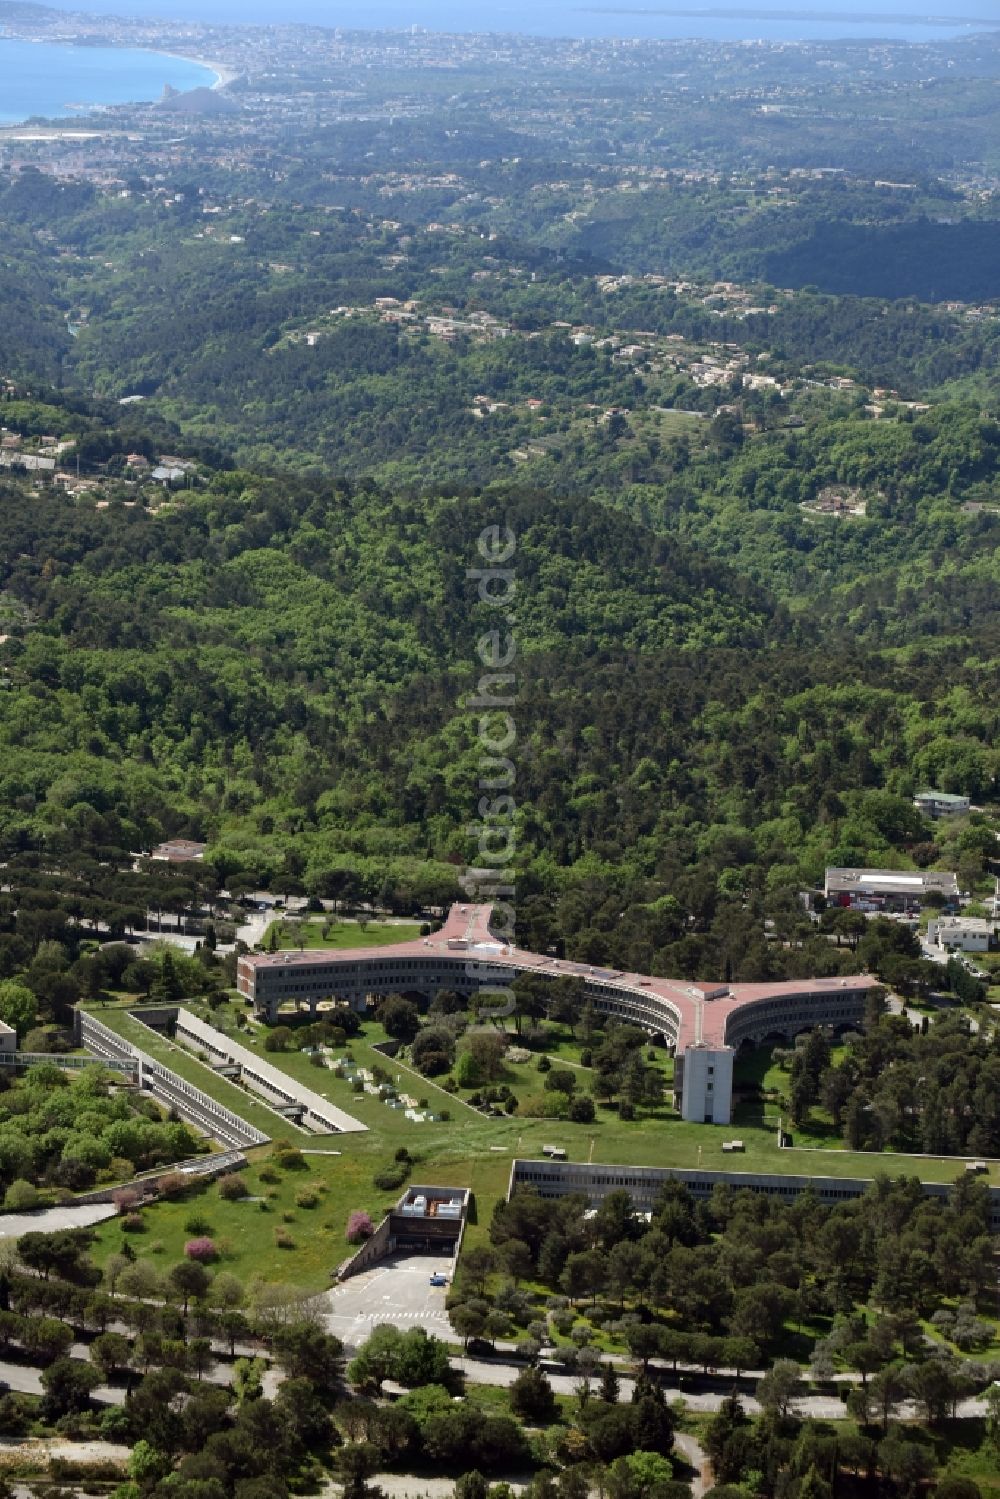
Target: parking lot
<point>397,1291</point>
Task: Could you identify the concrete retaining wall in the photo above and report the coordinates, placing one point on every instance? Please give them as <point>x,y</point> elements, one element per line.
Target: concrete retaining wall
<point>198,1168</point>
<point>378,1247</point>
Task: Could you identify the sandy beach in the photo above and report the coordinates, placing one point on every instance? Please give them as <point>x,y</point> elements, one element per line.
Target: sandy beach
<point>223,73</point>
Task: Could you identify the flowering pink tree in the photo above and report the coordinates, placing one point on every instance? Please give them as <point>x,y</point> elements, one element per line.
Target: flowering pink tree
<point>359,1227</point>
<point>201,1250</point>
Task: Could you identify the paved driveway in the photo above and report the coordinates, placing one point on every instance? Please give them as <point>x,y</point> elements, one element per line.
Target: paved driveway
<point>397,1291</point>
<point>45,1220</point>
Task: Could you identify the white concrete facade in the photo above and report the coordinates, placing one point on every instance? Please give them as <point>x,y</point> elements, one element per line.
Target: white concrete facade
<point>703,1084</point>
<point>961,933</point>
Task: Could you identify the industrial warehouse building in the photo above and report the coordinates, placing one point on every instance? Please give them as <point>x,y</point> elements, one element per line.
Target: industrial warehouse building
<point>897,891</point>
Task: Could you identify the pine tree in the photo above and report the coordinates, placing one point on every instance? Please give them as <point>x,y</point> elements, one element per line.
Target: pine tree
<point>167,987</point>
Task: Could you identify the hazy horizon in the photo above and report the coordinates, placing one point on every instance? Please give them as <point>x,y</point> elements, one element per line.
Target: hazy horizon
<point>767,20</point>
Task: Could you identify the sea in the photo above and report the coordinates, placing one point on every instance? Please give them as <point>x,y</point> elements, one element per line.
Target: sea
<point>55,81</point>
<point>58,81</point>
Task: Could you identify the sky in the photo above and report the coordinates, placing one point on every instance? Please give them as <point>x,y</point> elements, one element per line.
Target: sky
<point>594,18</point>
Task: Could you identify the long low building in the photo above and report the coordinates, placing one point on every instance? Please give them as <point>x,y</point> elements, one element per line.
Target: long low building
<point>553,1178</point>
<point>702,1023</point>
<point>896,890</point>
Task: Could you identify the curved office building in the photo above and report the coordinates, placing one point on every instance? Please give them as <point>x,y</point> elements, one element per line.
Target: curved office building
<point>703,1023</point>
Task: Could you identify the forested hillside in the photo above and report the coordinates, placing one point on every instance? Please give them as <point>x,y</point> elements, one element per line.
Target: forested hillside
<point>282,667</point>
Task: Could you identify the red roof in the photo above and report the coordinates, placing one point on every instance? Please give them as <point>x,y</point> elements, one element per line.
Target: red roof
<point>466,933</point>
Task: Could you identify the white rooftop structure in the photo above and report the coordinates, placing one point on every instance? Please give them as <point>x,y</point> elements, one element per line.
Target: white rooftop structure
<point>319,1111</point>
<point>912,884</point>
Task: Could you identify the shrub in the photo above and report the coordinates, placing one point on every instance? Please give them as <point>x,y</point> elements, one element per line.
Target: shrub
<point>626,1110</point>
<point>202,1249</point>
<point>232,1187</point>
<point>197,1224</point>
<point>172,1184</point>
<point>133,1223</point>
<point>391,1177</point>
<point>306,1197</point>
<point>562,1080</point>
<point>21,1196</point>
<point>279,1039</point>
<point>433,1063</point>
<point>444,1115</point>
<point>289,1157</point>
<point>125,1199</point>
<point>586,1057</point>
<point>581,1109</point>
<point>544,1064</point>
<point>283,1239</point>
<point>268,1175</point>
<point>359,1227</point>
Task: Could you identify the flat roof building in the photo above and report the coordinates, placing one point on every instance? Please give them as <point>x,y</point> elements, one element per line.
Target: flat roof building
<point>961,933</point>
<point>889,889</point>
<point>941,803</point>
<point>644,1184</point>
<point>705,1022</point>
<point>179,851</point>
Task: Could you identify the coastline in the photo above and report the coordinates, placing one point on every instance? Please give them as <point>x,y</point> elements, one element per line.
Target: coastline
<point>222,75</point>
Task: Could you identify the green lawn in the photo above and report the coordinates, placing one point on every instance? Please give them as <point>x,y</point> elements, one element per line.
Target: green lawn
<point>467,1150</point>
<point>293,935</point>
<point>245,1231</point>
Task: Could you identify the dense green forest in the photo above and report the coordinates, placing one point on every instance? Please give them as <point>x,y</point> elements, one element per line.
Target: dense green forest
<point>282,667</point>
